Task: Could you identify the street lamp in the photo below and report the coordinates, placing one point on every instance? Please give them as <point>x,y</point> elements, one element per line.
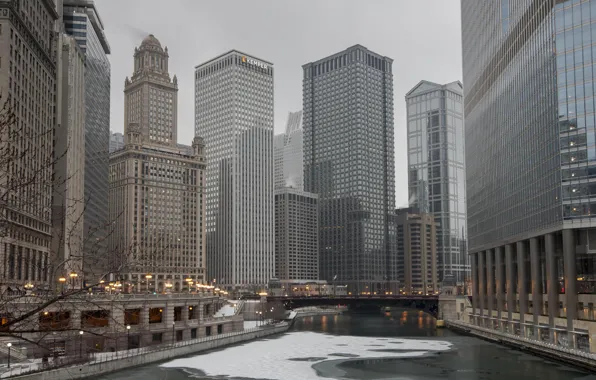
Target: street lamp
<point>8,345</point>
<point>128,337</point>
<point>73,276</point>
<point>148,277</point>
<point>81,344</point>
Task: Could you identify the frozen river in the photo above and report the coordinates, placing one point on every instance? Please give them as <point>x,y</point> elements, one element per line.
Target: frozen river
<point>402,345</point>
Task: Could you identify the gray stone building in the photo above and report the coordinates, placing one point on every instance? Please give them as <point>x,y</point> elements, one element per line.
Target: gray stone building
<point>156,185</point>
<point>234,113</point>
<point>29,58</point>
<point>82,21</point>
<point>349,163</point>
<point>296,235</point>
<point>416,251</point>
<point>436,168</point>
<point>68,208</point>
<point>530,163</point>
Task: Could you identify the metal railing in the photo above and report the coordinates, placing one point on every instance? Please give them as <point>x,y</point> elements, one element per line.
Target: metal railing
<point>527,341</point>
<point>101,357</point>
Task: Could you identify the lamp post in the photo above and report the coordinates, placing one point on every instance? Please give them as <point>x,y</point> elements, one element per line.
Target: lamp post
<point>148,277</point>
<point>73,276</point>
<point>81,344</point>
<point>173,332</point>
<point>9,345</point>
<point>128,337</point>
<point>62,281</point>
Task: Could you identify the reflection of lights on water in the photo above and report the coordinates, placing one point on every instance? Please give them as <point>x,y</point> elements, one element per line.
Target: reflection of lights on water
<point>324,323</point>
<point>335,318</point>
<point>420,322</point>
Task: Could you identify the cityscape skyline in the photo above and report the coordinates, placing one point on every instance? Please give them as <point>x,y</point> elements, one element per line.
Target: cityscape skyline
<point>438,41</point>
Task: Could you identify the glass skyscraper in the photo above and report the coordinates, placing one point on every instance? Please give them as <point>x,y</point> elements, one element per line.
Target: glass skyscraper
<point>530,163</point>
<point>289,154</point>
<point>82,21</point>
<point>234,114</point>
<point>349,163</point>
<point>436,168</point>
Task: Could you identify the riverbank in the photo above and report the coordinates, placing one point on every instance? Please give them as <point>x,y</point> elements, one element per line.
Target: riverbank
<point>551,351</point>
<point>115,361</point>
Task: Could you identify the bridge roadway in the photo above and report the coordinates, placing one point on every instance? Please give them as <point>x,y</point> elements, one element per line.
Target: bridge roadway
<point>429,304</point>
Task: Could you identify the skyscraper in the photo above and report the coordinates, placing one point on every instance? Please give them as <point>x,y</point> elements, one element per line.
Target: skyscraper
<point>29,52</point>
<point>156,185</point>
<point>416,251</point>
<point>289,154</point>
<point>116,141</point>
<point>349,163</point>
<point>68,206</point>
<point>82,21</point>
<point>296,235</point>
<point>530,154</point>
<point>436,168</point>
<point>234,113</point>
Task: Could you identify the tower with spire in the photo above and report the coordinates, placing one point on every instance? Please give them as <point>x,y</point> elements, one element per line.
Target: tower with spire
<point>157,186</point>
<point>151,95</point>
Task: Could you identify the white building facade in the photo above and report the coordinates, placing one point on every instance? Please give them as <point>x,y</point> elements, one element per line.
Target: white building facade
<point>234,114</point>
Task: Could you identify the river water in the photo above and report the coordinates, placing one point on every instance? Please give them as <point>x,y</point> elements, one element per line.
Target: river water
<point>401,345</point>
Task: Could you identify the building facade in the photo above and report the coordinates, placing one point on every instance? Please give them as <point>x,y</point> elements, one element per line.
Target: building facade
<point>68,210</point>
<point>349,163</point>
<point>530,151</point>
<point>156,185</point>
<point>416,251</point>
<point>29,51</point>
<point>436,168</point>
<point>289,154</point>
<point>82,21</point>
<point>234,113</point>
<point>116,141</point>
<point>296,235</point>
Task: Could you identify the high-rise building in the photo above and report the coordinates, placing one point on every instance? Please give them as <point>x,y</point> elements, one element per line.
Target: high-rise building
<point>416,251</point>
<point>530,156</point>
<point>349,163</point>
<point>82,21</point>
<point>29,51</point>
<point>116,141</point>
<point>156,185</point>
<point>296,235</point>
<point>436,168</point>
<point>68,207</point>
<point>289,154</point>
<point>278,160</point>
<point>234,113</point>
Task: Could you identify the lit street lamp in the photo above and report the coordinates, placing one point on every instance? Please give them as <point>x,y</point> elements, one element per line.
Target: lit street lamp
<point>128,337</point>
<point>8,345</point>
<point>73,276</point>
<point>81,344</point>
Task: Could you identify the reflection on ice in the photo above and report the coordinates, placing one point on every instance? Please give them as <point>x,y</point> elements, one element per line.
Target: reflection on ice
<point>291,356</point>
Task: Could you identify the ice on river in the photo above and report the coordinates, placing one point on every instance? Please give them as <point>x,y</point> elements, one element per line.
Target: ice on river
<point>291,356</point>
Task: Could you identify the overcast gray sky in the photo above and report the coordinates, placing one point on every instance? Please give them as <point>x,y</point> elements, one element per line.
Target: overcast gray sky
<point>422,36</point>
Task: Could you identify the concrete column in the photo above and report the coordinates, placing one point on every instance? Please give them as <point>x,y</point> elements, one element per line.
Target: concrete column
<point>489,286</point>
<point>536,283</point>
<point>570,277</point>
<point>481,283</point>
<point>509,282</point>
<point>521,285</point>
<point>499,282</point>
<point>552,283</point>
<point>474,268</point>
